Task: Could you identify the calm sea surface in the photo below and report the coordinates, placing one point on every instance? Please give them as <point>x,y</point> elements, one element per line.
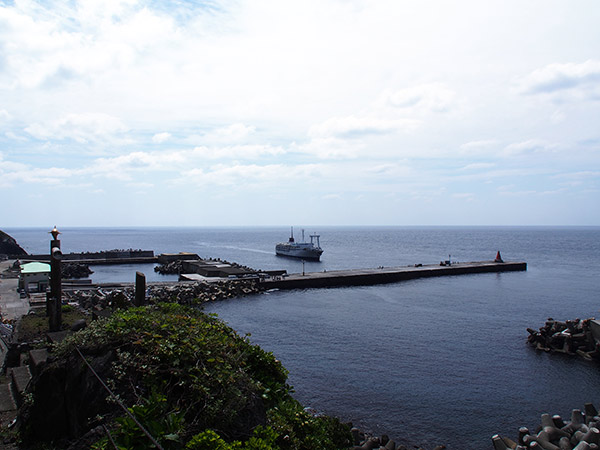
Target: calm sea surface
<point>432,361</point>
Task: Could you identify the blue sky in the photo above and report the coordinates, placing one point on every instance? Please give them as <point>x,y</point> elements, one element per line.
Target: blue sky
<point>329,112</point>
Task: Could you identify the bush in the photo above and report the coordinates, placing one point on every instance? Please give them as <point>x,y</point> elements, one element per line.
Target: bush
<point>194,383</point>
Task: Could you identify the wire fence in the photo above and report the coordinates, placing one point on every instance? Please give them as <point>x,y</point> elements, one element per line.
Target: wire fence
<point>120,403</point>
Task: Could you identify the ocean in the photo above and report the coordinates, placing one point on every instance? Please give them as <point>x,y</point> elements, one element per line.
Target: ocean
<point>429,361</point>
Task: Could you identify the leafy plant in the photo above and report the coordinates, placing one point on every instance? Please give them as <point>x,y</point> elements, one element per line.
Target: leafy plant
<point>262,439</point>
<point>299,430</point>
<point>154,415</point>
<point>196,384</point>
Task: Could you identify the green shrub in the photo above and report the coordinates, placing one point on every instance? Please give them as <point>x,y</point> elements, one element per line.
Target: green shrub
<point>299,430</point>
<point>154,415</point>
<point>209,378</point>
<point>262,439</point>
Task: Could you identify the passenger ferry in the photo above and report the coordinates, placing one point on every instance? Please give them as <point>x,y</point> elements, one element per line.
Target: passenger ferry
<point>303,250</point>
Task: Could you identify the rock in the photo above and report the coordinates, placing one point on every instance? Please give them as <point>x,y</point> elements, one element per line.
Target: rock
<point>173,267</point>
<point>67,397</point>
<point>78,325</point>
<point>9,246</point>
<point>75,270</point>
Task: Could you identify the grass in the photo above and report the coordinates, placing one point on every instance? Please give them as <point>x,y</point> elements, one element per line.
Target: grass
<point>33,326</point>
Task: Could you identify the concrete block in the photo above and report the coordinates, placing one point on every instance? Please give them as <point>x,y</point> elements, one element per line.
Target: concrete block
<point>7,402</point>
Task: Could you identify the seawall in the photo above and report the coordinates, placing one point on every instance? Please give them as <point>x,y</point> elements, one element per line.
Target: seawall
<point>360,277</point>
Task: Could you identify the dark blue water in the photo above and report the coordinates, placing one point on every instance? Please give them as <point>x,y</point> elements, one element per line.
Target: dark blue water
<point>426,361</point>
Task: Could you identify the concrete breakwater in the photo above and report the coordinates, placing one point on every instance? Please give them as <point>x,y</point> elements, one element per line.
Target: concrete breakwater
<point>381,275</point>
<point>572,337</point>
<point>184,293</point>
<point>553,433</point>
<point>116,256</point>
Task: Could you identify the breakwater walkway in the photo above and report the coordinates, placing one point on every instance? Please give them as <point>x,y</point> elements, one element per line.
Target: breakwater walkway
<point>381,275</point>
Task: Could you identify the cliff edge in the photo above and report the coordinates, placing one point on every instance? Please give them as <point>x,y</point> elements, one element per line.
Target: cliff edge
<point>9,246</point>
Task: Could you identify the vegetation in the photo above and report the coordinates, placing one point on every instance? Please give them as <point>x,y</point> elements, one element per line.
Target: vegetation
<point>194,384</point>
<point>34,325</point>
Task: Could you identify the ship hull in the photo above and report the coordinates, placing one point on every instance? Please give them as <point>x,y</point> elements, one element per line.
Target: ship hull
<point>295,251</point>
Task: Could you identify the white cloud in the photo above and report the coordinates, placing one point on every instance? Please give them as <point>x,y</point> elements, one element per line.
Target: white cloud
<point>329,148</point>
<point>384,97</point>
<point>140,185</point>
<point>231,133</point>
<point>474,145</point>
<point>9,166</point>
<point>432,97</point>
<point>131,165</point>
<point>15,137</point>
<point>82,128</point>
<point>583,77</point>
<point>237,152</point>
<point>251,176</point>
<point>528,147</point>
<point>122,167</point>
<point>513,191</point>
<point>79,40</point>
<point>15,173</point>
<point>478,166</point>
<point>159,138</point>
<point>469,196</point>
<point>353,127</point>
<point>331,197</point>
<point>485,147</point>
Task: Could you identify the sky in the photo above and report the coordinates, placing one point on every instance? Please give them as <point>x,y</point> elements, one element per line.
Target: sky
<point>273,112</point>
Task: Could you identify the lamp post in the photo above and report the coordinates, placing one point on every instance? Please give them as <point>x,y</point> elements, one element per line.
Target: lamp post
<point>54,297</point>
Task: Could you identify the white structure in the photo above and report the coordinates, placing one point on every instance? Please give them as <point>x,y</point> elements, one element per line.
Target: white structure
<point>35,277</point>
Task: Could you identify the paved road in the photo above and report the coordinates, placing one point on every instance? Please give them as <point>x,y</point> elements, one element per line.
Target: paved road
<point>12,306</point>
